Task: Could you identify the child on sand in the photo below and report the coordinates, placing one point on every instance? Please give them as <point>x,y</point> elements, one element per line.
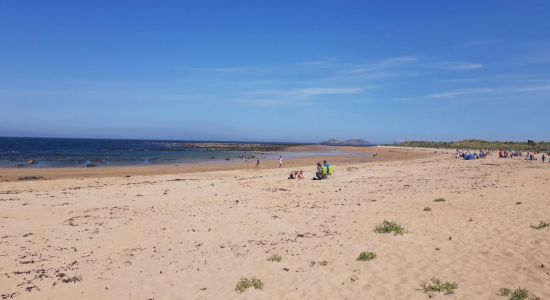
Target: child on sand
<point>296,175</point>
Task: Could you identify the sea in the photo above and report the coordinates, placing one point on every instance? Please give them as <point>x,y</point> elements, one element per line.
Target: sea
<point>70,152</point>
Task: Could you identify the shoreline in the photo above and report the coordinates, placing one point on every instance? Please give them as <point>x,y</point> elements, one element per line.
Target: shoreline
<point>353,155</point>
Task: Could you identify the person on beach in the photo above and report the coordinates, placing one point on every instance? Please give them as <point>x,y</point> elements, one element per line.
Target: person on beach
<point>543,157</point>
<point>280,161</point>
<point>319,172</point>
<point>296,175</point>
<point>258,163</point>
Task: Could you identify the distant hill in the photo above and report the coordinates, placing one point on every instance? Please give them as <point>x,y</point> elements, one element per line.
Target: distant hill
<point>352,142</point>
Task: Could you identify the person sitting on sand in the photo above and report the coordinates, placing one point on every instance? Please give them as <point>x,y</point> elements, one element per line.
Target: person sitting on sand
<point>301,175</point>
<point>293,175</point>
<point>319,172</point>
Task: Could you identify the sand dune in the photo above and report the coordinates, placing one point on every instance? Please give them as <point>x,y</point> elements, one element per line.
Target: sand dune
<point>194,236</point>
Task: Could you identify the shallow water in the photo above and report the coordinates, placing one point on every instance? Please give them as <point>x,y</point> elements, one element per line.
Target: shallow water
<point>54,152</point>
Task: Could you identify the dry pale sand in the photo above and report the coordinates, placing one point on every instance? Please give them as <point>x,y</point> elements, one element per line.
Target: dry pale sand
<point>193,236</point>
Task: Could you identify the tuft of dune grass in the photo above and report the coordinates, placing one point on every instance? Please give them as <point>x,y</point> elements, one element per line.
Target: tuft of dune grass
<point>366,256</point>
<point>246,283</point>
<point>388,227</point>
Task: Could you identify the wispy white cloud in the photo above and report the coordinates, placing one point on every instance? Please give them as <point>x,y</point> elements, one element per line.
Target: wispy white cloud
<point>299,96</point>
<point>498,90</point>
<point>456,65</point>
<point>216,70</point>
<point>402,99</point>
<point>466,66</point>
<point>388,63</point>
<point>308,92</point>
<point>316,63</point>
<point>531,88</point>
<point>462,92</point>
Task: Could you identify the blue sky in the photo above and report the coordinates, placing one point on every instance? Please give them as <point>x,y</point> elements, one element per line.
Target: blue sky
<point>276,70</point>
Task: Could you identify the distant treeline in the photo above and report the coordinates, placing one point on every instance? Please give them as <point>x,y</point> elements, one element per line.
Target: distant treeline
<point>482,145</point>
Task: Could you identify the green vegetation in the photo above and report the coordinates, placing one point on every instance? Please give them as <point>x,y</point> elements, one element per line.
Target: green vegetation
<point>387,227</point>
<point>275,258</point>
<point>427,208</point>
<point>437,285</point>
<point>246,283</point>
<point>541,225</point>
<point>517,294</point>
<point>481,145</point>
<point>366,256</point>
<point>439,200</point>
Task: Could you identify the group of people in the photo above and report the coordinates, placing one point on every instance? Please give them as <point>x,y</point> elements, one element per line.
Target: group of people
<point>544,158</point>
<point>324,170</point>
<point>508,154</point>
<point>296,175</point>
<point>529,156</point>
<point>467,155</point>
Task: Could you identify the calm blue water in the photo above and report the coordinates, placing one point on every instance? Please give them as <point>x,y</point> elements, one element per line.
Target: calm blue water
<point>52,152</point>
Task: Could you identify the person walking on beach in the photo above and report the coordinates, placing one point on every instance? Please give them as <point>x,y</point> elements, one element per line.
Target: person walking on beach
<point>543,157</point>
<point>258,163</point>
<point>280,161</point>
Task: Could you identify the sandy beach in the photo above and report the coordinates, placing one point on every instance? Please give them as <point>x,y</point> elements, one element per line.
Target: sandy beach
<point>174,232</point>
